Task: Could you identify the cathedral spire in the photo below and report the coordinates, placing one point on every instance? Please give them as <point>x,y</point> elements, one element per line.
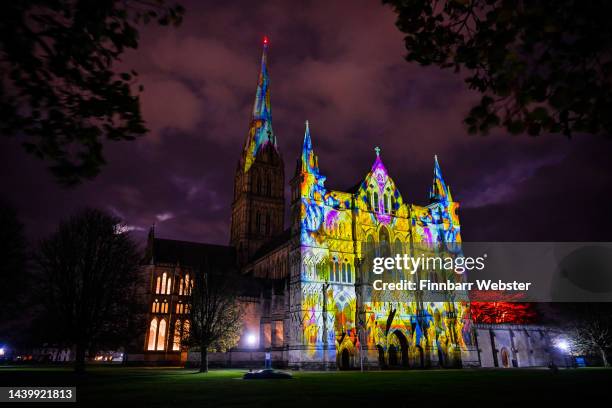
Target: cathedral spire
<point>439,190</point>
<point>309,159</point>
<point>260,130</point>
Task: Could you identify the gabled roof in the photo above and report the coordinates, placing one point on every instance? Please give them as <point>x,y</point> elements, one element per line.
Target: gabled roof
<point>193,254</point>
<point>274,243</point>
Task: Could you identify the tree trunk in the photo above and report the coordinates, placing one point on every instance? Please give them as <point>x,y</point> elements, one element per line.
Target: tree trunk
<point>603,357</point>
<point>203,359</point>
<point>79,361</point>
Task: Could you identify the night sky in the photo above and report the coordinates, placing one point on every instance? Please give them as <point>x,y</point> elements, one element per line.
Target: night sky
<point>341,66</point>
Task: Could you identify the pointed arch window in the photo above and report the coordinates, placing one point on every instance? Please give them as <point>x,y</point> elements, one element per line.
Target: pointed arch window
<point>155,306</point>
<point>267,224</point>
<point>181,283</point>
<point>343,277</point>
<point>158,285</point>
<point>152,335</point>
<point>161,336</point>
<point>163,283</point>
<point>349,271</point>
<point>368,253</point>
<point>188,285</point>
<point>169,286</point>
<point>376,201</point>
<point>186,327</point>
<point>386,203</point>
<point>384,242</point>
<point>335,270</point>
<point>176,343</point>
<point>369,200</point>
<point>164,307</point>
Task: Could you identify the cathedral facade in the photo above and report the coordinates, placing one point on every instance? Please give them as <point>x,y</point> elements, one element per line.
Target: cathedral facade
<point>309,301</point>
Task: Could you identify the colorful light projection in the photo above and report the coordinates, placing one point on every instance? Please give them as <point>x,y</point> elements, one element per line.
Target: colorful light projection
<point>336,228</point>
<point>260,130</point>
<point>503,312</point>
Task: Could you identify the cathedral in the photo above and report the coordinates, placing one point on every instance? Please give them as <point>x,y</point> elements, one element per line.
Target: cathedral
<point>308,300</point>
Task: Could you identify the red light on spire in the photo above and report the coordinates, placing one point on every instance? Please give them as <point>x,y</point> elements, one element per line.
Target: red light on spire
<point>265,40</point>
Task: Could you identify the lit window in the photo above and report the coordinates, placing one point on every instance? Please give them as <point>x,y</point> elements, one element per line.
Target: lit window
<point>186,291</point>
<point>165,307</point>
<point>163,283</point>
<point>181,286</point>
<point>186,327</point>
<point>152,334</point>
<point>155,307</point>
<point>169,286</point>
<point>335,273</point>
<point>161,337</point>
<point>158,285</point>
<point>176,344</point>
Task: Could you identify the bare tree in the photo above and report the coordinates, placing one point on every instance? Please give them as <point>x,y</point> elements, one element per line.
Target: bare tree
<point>216,313</point>
<point>590,329</point>
<point>88,272</point>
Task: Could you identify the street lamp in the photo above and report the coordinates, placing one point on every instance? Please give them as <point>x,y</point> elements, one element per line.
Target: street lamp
<point>563,345</point>
<point>251,339</point>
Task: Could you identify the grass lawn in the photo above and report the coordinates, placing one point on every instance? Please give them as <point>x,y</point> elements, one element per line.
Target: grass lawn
<point>176,387</point>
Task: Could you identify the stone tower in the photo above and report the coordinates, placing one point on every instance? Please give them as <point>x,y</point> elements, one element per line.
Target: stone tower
<point>259,204</point>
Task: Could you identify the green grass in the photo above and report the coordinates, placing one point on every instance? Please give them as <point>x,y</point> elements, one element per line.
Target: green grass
<point>175,387</point>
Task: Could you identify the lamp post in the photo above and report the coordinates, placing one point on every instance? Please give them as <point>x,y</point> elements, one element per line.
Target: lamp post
<point>325,342</point>
<point>566,349</point>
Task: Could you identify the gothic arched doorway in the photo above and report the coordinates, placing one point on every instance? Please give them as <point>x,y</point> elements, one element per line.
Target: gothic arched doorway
<point>398,350</point>
<point>505,358</point>
<point>393,356</point>
<point>381,356</point>
<point>345,360</point>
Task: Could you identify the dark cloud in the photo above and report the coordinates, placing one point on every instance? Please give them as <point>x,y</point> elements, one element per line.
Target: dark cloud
<point>341,65</point>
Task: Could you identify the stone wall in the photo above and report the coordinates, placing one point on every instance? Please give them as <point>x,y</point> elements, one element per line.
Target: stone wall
<point>506,345</point>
